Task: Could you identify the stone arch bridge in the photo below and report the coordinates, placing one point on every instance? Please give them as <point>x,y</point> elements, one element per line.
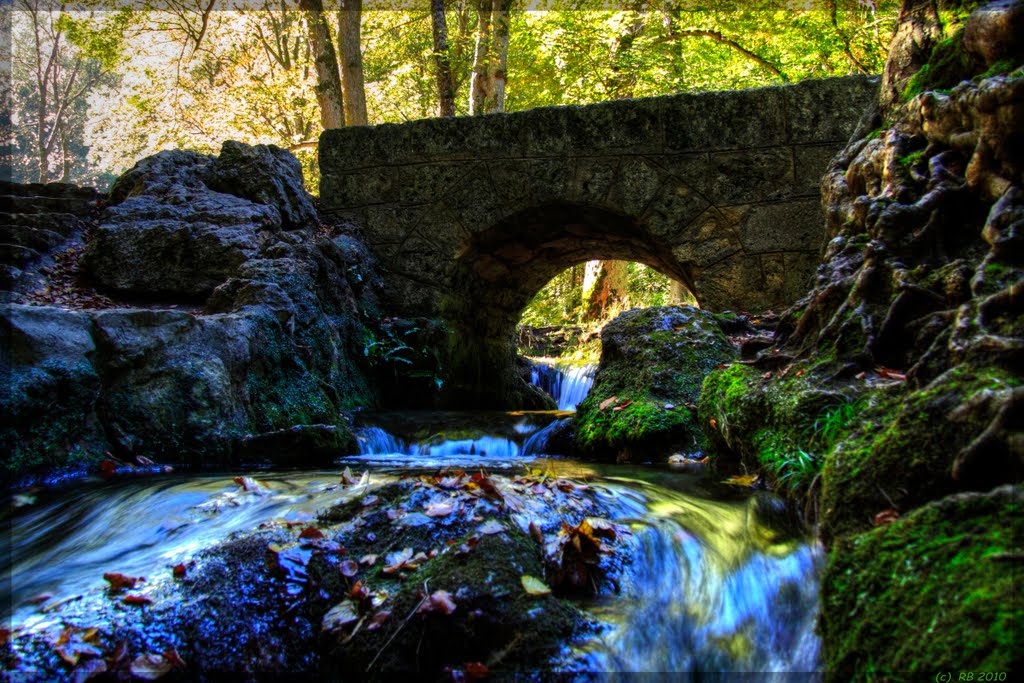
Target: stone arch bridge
<point>471,216</point>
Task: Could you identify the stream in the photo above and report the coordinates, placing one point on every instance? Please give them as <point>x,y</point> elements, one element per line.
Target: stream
<point>719,580</point>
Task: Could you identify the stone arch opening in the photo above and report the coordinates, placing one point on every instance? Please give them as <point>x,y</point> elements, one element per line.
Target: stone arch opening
<point>499,270</point>
<point>562,321</point>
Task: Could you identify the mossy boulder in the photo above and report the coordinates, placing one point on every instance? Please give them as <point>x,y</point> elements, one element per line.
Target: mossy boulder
<point>781,423</point>
<point>911,446</point>
<point>653,362</point>
<point>416,575</point>
<point>932,592</point>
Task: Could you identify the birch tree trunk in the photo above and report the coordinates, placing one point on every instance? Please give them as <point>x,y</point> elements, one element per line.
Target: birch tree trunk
<point>442,60</point>
<point>498,56</point>
<point>479,86</point>
<point>328,81</point>
<point>349,24</point>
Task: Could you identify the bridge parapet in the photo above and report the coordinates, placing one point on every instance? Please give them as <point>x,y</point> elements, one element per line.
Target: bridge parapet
<point>471,216</point>
<point>727,181</point>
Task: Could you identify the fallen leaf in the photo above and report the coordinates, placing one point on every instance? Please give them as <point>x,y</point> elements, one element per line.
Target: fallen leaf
<point>767,375</point>
<point>249,485</point>
<point>534,586</point>
<point>378,619</point>
<point>536,534</point>
<point>476,671</point>
<point>174,658</point>
<point>136,600</point>
<point>348,568</point>
<point>860,375</point>
<point>745,480</point>
<point>151,667</point>
<point>491,526</point>
<point>368,559</point>
<point>799,373</point>
<point>607,402</point>
<point>887,373</point>
<point>119,582</point>
<point>340,616</point>
<point>178,571</point>
<point>395,561</point>
<point>439,601</point>
<point>108,469</point>
<point>312,533</point>
<point>89,669</point>
<point>440,509</point>
<point>887,516</point>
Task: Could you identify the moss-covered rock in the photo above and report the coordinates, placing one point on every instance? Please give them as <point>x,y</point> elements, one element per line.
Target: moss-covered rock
<point>932,592</point>
<point>781,423</point>
<point>653,362</point>
<point>911,446</point>
<point>414,575</point>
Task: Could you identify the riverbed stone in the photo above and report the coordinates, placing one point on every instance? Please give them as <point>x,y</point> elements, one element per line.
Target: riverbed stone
<point>643,400</point>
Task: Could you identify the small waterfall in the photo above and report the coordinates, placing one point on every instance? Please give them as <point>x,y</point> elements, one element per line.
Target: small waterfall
<point>575,385</point>
<point>376,441</point>
<point>567,384</point>
<point>537,443</point>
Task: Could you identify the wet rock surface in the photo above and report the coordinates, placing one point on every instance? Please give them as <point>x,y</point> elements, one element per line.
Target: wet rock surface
<point>231,315</point>
<point>643,400</point>
<point>451,571</point>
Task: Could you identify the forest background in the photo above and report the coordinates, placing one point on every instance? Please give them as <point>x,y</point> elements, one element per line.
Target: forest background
<point>92,86</point>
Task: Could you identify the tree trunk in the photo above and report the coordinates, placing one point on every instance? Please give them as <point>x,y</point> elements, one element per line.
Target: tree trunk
<point>604,284</point>
<point>349,23</point>
<point>442,61</point>
<point>328,81</point>
<point>479,86</point>
<point>498,56</point>
<point>917,32</point>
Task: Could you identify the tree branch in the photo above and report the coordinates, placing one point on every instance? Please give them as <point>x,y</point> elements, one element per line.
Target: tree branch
<point>719,38</point>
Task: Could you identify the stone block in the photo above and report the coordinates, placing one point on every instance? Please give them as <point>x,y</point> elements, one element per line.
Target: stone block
<point>671,211</point>
<point>790,226</point>
<point>637,183</point>
<point>810,164</point>
<point>748,176</point>
<point>425,183</point>
<point>725,120</point>
<point>363,187</point>
<point>621,125</point>
<point>827,109</point>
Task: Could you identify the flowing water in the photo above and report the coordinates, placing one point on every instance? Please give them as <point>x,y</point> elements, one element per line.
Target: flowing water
<point>719,580</point>
<point>568,383</point>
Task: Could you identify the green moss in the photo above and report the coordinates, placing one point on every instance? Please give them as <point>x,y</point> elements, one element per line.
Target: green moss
<point>652,358</point>
<point>902,450</point>
<point>948,65</point>
<point>933,592</point>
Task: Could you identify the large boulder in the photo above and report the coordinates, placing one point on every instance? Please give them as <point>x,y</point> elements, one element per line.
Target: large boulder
<point>51,389</point>
<point>182,223</point>
<point>264,174</point>
<point>949,570</point>
<point>167,233</point>
<point>644,396</point>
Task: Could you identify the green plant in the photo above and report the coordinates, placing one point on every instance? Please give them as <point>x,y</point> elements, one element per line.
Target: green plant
<point>832,423</point>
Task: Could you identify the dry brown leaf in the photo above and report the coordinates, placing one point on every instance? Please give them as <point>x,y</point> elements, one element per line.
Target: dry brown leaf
<point>439,601</point>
